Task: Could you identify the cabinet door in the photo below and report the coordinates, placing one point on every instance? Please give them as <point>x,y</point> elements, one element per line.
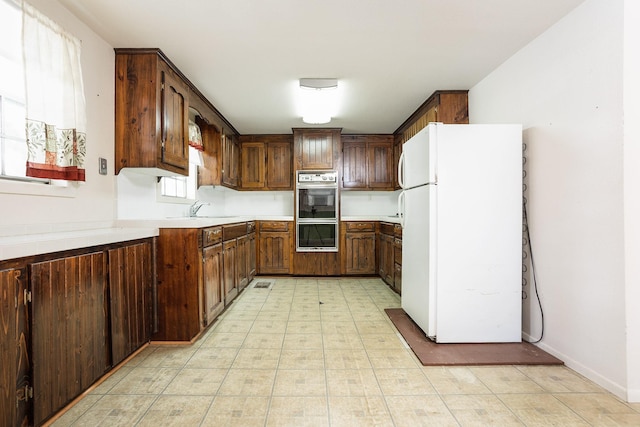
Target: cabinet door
<point>69,329</point>
<point>229,270</point>
<point>253,163</point>
<point>129,299</point>
<point>212,282</point>
<point>251,255</point>
<point>15,406</point>
<point>230,161</point>
<point>242,260</point>
<point>360,252</point>
<point>388,260</point>
<point>210,173</point>
<point>397,278</point>
<point>380,165</point>
<point>279,159</point>
<point>317,150</point>
<point>174,122</point>
<point>354,165</point>
<point>274,252</point>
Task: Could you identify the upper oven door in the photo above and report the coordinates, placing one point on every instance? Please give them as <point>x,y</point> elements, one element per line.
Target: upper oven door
<point>317,203</point>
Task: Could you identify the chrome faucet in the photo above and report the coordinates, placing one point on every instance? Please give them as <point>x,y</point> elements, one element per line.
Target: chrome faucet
<point>195,207</point>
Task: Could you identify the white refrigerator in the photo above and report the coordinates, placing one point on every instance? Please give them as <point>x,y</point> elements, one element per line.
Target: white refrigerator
<point>461,212</point>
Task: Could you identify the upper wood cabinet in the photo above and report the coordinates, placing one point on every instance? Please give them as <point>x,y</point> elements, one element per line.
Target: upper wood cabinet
<point>253,165</point>
<point>151,113</point>
<point>230,161</point>
<point>445,106</point>
<point>316,148</point>
<point>266,162</point>
<point>367,162</point>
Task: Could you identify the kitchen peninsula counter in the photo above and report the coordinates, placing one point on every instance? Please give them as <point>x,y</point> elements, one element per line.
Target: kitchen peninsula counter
<point>42,239</point>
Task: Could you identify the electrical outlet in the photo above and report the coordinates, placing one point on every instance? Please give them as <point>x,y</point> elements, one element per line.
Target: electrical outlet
<point>102,166</point>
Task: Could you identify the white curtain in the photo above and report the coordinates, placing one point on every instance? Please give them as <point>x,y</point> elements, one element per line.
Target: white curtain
<point>55,104</point>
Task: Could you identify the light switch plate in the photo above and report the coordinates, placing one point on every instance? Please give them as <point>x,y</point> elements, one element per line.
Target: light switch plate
<point>102,166</point>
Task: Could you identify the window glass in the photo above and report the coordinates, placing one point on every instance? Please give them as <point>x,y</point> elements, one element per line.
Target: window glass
<point>180,188</point>
<point>13,147</point>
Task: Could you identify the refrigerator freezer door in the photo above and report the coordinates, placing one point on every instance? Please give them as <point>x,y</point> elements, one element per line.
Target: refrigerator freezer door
<point>419,157</point>
<point>419,257</point>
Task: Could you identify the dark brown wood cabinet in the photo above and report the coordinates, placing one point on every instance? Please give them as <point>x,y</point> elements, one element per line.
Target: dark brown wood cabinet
<point>66,319</point>
<point>230,161</point>
<point>266,162</point>
<point>190,294</point>
<point>212,292</point>
<point>70,350</point>
<point>253,165</point>
<point>386,241</point>
<point>229,273</point>
<point>16,397</point>
<point>367,162</point>
<point>252,264</point>
<point>279,166</point>
<point>445,106</point>
<point>274,247</point>
<point>397,258</point>
<point>316,148</point>
<point>242,266</point>
<point>151,113</point>
<point>130,287</point>
<point>358,253</point>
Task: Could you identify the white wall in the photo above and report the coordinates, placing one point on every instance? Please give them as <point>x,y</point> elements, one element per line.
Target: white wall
<point>632,191</point>
<point>91,201</point>
<point>565,87</point>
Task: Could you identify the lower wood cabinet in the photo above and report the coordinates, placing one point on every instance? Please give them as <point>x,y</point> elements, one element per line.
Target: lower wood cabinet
<point>70,350</point>
<point>242,262</point>
<point>358,248</point>
<point>386,239</point>
<point>229,278</point>
<point>130,284</point>
<point>212,294</point>
<point>274,247</point>
<point>16,385</point>
<point>252,263</point>
<point>190,281</point>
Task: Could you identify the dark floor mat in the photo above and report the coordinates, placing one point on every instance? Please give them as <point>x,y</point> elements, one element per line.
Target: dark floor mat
<point>430,353</point>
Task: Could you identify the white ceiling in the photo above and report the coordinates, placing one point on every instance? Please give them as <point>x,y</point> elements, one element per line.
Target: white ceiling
<point>246,56</point>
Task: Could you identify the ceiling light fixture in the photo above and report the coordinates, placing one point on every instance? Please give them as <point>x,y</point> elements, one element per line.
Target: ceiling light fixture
<point>318,96</point>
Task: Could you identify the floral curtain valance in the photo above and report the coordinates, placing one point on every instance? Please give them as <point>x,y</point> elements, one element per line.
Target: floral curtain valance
<point>55,103</point>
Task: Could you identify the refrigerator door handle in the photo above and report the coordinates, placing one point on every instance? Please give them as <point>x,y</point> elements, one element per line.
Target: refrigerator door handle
<point>401,170</point>
<point>401,212</point>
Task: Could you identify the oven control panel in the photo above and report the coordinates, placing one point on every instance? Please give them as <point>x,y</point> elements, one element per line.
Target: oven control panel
<point>317,176</point>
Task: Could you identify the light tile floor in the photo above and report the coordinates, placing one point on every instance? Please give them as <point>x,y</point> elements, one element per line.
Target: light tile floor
<point>322,352</point>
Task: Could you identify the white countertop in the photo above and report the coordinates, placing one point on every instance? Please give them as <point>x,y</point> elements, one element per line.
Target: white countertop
<point>24,245</point>
<point>385,218</point>
<point>28,244</point>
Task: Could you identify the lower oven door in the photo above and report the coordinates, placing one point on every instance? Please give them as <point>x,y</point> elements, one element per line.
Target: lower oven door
<point>317,237</point>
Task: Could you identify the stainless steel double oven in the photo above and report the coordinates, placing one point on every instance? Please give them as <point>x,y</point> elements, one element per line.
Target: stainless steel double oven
<point>317,206</point>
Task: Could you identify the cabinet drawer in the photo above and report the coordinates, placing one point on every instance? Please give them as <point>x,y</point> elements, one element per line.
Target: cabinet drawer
<point>211,236</point>
<point>233,231</point>
<point>251,227</point>
<point>360,226</point>
<point>387,228</point>
<point>397,230</point>
<point>274,226</point>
